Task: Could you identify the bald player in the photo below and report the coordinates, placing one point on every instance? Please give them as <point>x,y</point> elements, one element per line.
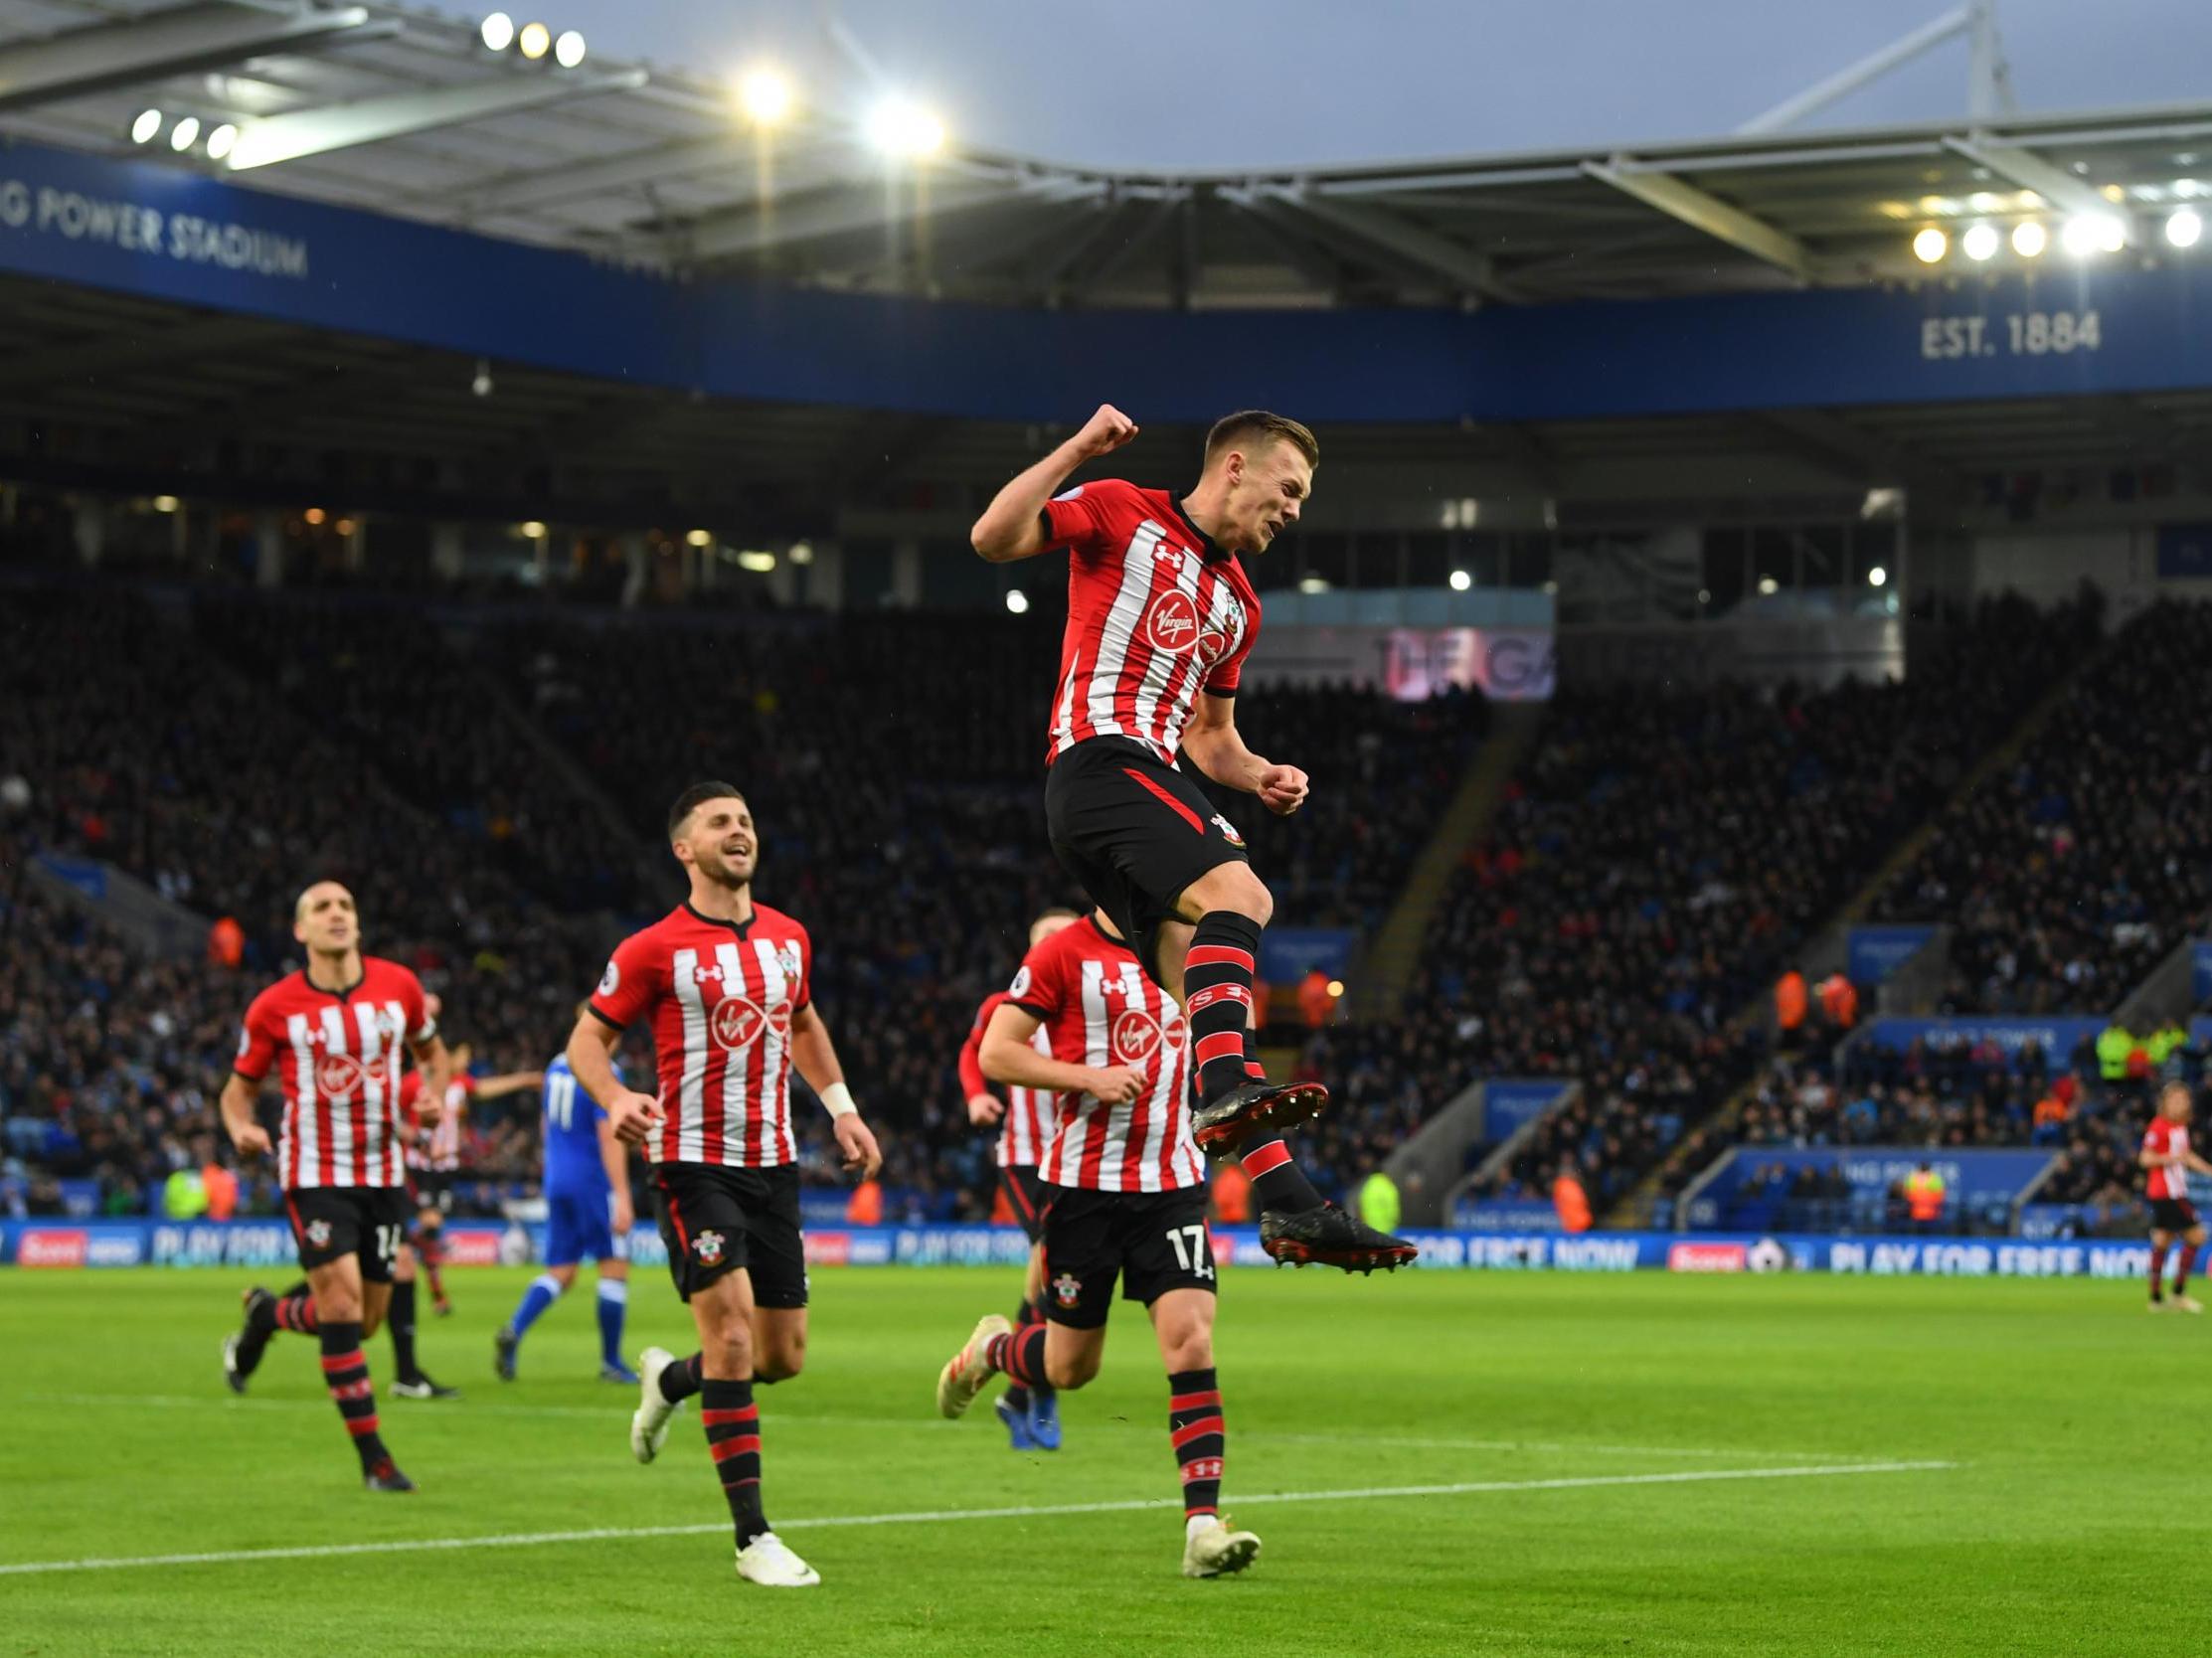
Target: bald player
<point>334,1033</point>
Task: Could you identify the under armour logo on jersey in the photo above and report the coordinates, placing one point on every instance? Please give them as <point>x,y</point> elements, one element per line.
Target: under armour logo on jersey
<point>707,975</point>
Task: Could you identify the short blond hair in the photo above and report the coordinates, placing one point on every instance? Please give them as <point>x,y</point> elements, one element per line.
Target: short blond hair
<point>1251,428</point>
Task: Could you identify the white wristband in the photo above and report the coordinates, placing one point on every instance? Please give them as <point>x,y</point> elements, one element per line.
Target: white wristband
<point>837,1099</point>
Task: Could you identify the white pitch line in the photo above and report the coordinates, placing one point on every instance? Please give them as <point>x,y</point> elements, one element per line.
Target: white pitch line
<point>614,1413</point>
<point>528,1540</point>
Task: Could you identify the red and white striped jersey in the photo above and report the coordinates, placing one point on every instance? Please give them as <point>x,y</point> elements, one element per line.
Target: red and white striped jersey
<point>1099,1008</point>
<point>1155,610</point>
<point>338,1059</point>
<point>721,996</point>
<point>1028,1123</point>
<point>2164,1138</point>
<point>436,1147</point>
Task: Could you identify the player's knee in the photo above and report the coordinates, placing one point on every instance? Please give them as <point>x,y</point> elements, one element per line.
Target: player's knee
<point>728,1341</point>
<point>1233,888</point>
<point>779,1360</point>
<point>1075,1370</point>
<point>1194,1351</point>
<point>341,1308</point>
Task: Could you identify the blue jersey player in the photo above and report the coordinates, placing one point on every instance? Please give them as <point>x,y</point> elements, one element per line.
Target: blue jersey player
<point>587,1214</point>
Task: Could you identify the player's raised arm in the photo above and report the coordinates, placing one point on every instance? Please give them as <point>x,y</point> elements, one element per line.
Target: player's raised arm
<point>1008,1058</point>
<point>817,1058</point>
<point>514,1082</point>
<point>631,1115</point>
<point>1217,748</point>
<point>1012,526</point>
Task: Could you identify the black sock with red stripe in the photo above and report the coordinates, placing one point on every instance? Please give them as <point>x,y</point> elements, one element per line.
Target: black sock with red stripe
<point>1201,1441</point>
<point>399,1320</point>
<point>2158,1271</point>
<point>429,1248</point>
<point>1276,1180</point>
<point>1217,998</point>
<point>1027,1314</point>
<point>679,1381</point>
<point>2183,1267</point>
<point>345,1371</point>
<point>294,1310</point>
<point>734,1442</point>
<point>1020,1355</point>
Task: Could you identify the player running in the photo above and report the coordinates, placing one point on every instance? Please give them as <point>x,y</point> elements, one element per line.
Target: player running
<point>334,1030</point>
<point>434,1161</point>
<point>1159,610</point>
<point>1024,1120</point>
<point>725,982</point>
<point>2166,1154</point>
<point>1126,1200</point>
<point>587,1216</point>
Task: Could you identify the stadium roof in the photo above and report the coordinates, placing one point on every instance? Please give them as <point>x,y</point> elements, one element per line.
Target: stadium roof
<point>405,111</point>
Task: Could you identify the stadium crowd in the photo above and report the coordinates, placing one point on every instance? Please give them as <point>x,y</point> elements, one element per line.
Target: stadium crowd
<point>897,784</point>
<point>1663,854</point>
<point>2067,878</point>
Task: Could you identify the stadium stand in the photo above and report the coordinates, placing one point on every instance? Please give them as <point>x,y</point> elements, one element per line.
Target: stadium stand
<point>1665,853</point>
<point>2070,875</point>
<point>915,869</point>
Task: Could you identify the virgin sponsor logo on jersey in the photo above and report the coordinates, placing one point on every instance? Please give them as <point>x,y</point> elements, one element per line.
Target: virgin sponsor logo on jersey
<point>737,1021</point>
<point>1211,644</point>
<point>338,1075</point>
<point>1171,624</point>
<point>1135,1036</point>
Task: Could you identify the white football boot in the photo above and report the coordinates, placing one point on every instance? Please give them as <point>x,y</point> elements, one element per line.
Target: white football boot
<point>767,1560</point>
<point>1211,1549</point>
<point>649,1427</point>
<point>966,1371</point>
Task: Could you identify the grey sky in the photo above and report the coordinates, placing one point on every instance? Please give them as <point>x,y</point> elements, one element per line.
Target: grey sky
<point>1212,84</point>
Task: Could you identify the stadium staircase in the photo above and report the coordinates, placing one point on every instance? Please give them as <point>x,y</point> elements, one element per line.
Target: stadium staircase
<point>1394,956</point>
<point>1635,1207</point>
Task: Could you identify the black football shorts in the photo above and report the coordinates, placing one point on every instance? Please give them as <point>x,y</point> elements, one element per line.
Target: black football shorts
<point>2172,1213</point>
<point>717,1221</point>
<point>1134,832</point>
<point>330,1221</point>
<point>1152,1241</point>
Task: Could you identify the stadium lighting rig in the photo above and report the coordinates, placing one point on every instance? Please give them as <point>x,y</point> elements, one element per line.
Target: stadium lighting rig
<point>2082,236</point>
<point>766,96</point>
<point>533,40</point>
<point>905,131</point>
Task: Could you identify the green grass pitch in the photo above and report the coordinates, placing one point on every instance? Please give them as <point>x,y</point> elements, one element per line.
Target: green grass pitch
<point>1485,1464</point>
